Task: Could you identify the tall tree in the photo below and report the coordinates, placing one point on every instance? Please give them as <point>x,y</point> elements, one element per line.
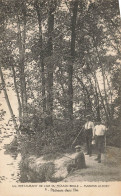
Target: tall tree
<point>39,6</point>
<point>7,99</point>
<point>51,9</point>
<point>21,46</point>
<point>72,54</point>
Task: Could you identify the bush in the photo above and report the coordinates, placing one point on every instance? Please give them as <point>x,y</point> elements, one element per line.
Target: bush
<point>114,136</point>
<point>48,141</point>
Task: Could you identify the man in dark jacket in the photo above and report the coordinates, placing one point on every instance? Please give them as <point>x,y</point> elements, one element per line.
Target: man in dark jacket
<point>79,161</point>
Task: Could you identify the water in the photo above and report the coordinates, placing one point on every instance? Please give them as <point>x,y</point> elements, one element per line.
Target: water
<point>9,165</point>
<point>11,170</point>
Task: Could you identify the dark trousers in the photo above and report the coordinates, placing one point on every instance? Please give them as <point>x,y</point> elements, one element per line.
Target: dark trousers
<point>89,141</point>
<point>71,167</point>
<point>99,145</point>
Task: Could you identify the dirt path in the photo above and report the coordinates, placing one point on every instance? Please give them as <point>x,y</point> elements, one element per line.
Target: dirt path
<point>108,170</point>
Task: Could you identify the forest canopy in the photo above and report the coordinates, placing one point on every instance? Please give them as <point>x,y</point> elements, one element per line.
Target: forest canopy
<point>62,59</point>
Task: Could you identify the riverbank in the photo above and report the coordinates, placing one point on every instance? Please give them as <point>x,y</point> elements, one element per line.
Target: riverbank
<point>52,167</point>
<point>46,168</point>
<point>55,170</point>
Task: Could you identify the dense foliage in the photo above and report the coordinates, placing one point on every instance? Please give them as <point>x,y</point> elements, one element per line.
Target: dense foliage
<point>63,61</point>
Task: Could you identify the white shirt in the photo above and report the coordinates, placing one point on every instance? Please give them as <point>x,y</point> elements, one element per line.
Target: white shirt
<point>89,125</point>
<point>99,130</point>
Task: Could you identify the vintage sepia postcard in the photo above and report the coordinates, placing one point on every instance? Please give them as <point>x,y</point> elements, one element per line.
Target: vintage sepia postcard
<point>60,97</point>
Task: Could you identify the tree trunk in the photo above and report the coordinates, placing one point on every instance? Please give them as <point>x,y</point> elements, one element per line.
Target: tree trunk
<point>7,100</point>
<point>99,91</point>
<point>50,68</point>
<point>97,103</point>
<point>85,89</point>
<point>96,97</point>
<point>102,100</point>
<point>21,45</point>
<point>70,67</point>
<point>42,70</point>
<point>17,94</point>
<point>103,75</point>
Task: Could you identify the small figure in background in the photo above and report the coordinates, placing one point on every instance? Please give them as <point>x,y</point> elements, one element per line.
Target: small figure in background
<point>99,132</point>
<point>79,161</point>
<point>89,132</point>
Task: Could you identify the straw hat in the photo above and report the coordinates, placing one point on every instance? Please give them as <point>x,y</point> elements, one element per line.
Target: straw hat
<point>78,146</point>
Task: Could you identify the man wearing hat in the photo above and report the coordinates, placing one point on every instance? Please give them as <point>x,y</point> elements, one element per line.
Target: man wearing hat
<point>99,132</point>
<point>79,161</point>
<point>89,132</point>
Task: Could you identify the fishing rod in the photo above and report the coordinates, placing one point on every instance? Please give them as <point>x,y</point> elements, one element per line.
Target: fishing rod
<point>65,155</point>
<point>77,136</point>
<point>68,157</point>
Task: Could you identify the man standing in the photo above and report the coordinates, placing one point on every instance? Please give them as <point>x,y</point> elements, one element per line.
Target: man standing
<point>99,132</point>
<point>89,130</point>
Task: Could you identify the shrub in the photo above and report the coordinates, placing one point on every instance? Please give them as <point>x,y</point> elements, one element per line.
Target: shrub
<point>114,136</point>
<point>58,139</point>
